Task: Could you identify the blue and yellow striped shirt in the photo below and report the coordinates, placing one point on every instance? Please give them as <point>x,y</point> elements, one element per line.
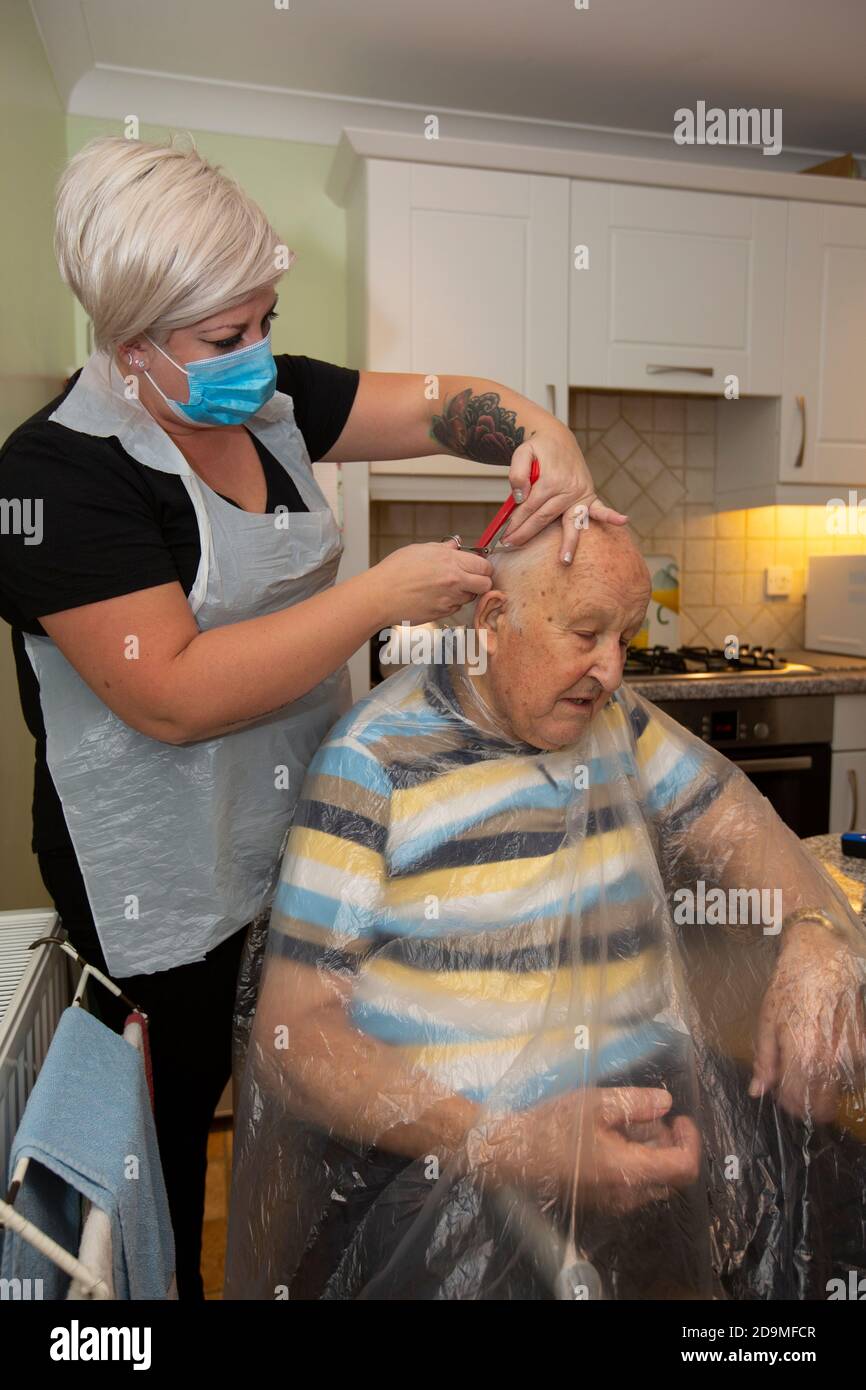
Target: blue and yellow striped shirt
<point>485,908</point>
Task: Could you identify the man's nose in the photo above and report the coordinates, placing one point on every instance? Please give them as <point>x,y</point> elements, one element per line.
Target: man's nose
<point>607,666</point>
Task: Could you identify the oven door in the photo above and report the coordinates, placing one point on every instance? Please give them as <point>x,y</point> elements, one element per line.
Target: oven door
<point>795,779</point>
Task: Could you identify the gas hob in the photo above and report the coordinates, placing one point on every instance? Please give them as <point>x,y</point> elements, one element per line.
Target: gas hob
<point>692,662</point>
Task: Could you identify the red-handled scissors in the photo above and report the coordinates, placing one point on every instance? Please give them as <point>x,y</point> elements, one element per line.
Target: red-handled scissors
<point>488,536</point>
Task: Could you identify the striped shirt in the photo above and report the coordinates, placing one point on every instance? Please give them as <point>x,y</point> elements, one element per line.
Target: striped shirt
<point>502,927</point>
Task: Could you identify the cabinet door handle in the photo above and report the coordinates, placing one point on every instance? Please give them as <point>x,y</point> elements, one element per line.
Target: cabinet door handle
<point>798,461</point>
<point>660,368</point>
<point>852,783</point>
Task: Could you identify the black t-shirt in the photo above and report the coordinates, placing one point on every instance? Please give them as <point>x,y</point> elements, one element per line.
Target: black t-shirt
<point>110,526</point>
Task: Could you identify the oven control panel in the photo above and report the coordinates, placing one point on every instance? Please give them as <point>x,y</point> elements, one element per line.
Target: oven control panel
<point>733,724</point>
<point>748,723</point>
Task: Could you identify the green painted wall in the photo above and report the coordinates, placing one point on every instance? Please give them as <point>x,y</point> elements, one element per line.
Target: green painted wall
<point>37,340</point>
<point>37,348</point>
<point>288,181</point>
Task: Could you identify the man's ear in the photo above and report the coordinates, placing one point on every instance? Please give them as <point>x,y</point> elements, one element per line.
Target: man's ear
<point>489,613</point>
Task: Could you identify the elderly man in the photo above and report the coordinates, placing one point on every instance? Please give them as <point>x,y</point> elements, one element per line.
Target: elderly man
<point>488,1061</point>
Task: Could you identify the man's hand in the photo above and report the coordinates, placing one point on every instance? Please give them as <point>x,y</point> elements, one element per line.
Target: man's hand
<point>812,1026</point>
<point>612,1146</point>
<point>630,1153</point>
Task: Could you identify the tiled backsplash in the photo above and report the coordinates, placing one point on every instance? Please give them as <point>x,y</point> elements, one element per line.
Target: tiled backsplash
<point>654,458</point>
<point>393,524</point>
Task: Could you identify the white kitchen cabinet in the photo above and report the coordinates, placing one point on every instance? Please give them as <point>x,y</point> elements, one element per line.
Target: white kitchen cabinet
<point>823,425</point>
<point>676,289</point>
<point>848,775</point>
<point>808,444</point>
<point>460,271</point>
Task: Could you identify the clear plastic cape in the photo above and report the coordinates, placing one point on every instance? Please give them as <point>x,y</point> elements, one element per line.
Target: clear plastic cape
<point>507,1016</point>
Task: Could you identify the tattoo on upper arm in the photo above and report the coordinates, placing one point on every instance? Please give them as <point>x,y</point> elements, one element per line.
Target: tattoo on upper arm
<point>477,427</point>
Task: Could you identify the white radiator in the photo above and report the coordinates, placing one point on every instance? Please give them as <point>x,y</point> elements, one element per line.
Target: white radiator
<point>35,988</point>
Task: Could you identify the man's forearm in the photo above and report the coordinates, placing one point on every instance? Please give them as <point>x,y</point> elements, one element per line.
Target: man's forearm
<point>740,844</point>
<point>386,1106</point>
<point>356,1089</point>
<point>349,1084</point>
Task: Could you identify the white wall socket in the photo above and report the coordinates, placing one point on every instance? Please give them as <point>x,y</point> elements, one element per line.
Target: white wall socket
<point>778,581</point>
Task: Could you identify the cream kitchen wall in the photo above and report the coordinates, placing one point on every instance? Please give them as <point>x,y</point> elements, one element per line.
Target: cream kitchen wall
<point>653,456</point>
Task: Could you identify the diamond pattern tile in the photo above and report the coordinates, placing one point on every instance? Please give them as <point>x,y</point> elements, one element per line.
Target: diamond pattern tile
<point>621,440</point>
<point>653,457</point>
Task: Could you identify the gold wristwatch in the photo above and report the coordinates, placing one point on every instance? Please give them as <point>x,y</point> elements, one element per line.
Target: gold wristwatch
<point>815,915</point>
<point>810,914</point>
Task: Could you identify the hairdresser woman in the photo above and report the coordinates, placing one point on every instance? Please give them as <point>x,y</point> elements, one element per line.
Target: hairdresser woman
<point>179,636</point>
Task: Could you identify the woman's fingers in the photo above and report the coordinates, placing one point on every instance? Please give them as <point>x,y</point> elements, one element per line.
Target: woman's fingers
<point>472,563</point>
<point>600,511</point>
<point>475,573</point>
<point>539,511</point>
<point>536,513</point>
<point>423,582</point>
<point>519,470</point>
<point>563,488</point>
<point>473,584</point>
<point>574,522</point>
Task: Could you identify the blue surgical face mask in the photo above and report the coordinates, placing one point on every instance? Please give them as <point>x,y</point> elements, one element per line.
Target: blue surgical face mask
<point>225,390</point>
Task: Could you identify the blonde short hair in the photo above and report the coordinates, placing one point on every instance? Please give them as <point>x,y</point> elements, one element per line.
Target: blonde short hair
<point>151,238</point>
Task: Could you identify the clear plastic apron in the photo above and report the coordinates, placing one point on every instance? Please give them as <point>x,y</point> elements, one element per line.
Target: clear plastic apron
<point>179,847</point>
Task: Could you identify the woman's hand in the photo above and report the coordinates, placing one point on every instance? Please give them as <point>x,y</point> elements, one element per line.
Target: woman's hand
<point>393,417</point>
<point>564,488</point>
<point>420,583</point>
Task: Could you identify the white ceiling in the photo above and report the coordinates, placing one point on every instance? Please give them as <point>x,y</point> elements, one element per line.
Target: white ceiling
<point>625,64</point>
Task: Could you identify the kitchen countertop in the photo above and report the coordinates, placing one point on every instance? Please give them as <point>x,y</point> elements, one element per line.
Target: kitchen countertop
<point>848,872</point>
<point>835,675</point>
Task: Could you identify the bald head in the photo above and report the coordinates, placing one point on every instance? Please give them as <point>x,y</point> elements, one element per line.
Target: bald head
<point>556,634</point>
<point>532,575</point>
